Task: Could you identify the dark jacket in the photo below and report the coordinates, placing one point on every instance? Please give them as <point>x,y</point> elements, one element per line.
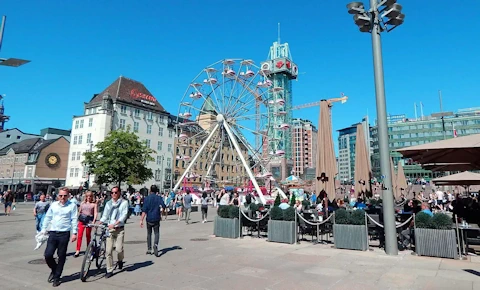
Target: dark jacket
<point>151,207</point>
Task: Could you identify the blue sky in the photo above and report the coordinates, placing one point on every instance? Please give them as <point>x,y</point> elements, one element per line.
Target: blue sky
<point>78,48</point>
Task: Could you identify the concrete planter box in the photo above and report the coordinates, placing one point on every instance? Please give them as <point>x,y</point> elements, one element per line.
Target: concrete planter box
<point>226,228</point>
<point>281,231</point>
<point>436,243</point>
<point>352,237</point>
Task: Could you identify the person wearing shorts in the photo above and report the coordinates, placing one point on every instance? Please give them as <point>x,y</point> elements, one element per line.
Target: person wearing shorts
<point>179,205</point>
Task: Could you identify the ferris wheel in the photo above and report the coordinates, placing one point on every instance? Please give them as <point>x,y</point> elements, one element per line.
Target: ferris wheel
<point>227,109</point>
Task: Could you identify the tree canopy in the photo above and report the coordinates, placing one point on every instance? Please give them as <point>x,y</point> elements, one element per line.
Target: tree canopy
<point>121,157</point>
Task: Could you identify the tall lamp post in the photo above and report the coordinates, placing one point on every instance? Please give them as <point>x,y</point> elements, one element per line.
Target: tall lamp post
<point>383,15</point>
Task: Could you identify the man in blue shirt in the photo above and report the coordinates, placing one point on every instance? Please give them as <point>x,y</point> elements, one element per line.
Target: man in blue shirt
<point>151,209</point>
<point>62,219</point>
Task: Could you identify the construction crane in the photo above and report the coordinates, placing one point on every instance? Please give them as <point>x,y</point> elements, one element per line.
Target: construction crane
<point>342,99</point>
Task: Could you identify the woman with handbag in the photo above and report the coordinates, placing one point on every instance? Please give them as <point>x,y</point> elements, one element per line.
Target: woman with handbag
<point>87,215</point>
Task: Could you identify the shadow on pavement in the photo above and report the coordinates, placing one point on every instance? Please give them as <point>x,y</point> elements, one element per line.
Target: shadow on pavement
<point>133,267</point>
<point>166,250</point>
<point>476,273</point>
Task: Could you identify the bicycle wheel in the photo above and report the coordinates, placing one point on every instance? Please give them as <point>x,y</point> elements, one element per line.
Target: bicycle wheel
<point>87,260</point>
<point>101,254</point>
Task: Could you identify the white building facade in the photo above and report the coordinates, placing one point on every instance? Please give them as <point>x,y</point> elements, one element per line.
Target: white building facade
<point>125,103</point>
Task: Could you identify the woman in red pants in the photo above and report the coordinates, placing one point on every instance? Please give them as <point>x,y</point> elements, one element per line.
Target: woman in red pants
<point>87,213</point>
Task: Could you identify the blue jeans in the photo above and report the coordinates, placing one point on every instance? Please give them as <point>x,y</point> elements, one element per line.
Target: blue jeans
<point>39,221</point>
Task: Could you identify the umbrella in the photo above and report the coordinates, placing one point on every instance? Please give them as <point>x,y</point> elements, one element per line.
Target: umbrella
<point>326,164</point>
<point>394,180</point>
<point>463,178</point>
<point>464,149</point>
<point>362,163</point>
<point>401,181</point>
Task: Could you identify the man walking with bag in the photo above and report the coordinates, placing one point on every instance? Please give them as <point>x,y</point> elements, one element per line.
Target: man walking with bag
<point>62,219</point>
<point>114,215</point>
<point>151,209</point>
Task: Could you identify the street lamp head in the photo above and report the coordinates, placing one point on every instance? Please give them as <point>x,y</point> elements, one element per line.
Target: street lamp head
<point>392,11</point>
<point>365,28</point>
<point>362,20</point>
<point>397,20</point>
<point>389,2</point>
<point>355,7</point>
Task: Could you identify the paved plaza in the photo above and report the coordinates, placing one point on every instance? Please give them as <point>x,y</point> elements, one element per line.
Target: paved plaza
<point>194,259</point>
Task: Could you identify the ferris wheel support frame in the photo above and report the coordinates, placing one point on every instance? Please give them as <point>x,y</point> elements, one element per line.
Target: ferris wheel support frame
<point>194,159</point>
<point>242,158</point>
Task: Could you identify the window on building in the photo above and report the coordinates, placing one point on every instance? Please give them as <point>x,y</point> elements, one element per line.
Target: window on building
<point>159,160</point>
<point>81,123</point>
<point>169,148</point>
<point>90,122</point>
<point>123,109</point>
<point>149,129</point>
<point>89,138</point>
<point>19,137</point>
<point>135,127</point>
<point>159,146</point>
<point>160,119</point>
<point>80,138</point>
<point>75,140</point>
<point>77,171</point>
<point>160,131</point>
<point>85,172</point>
<point>122,124</point>
<point>29,172</point>
<point>77,122</point>
<point>71,171</point>
<point>169,162</point>
<point>74,155</point>
<point>147,141</point>
<point>170,133</point>
<point>158,175</point>
<point>149,116</point>
<point>79,155</point>
<point>137,113</point>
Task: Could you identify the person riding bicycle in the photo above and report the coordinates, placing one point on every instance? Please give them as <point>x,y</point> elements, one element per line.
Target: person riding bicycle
<point>114,215</point>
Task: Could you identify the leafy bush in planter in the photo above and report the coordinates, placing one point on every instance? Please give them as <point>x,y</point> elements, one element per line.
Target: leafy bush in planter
<point>357,217</point>
<point>223,211</point>
<point>341,216</point>
<point>276,213</point>
<point>277,201</point>
<point>289,214</point>
<point>233,212</point>
<point>423,220</point>
<point>439,221</point>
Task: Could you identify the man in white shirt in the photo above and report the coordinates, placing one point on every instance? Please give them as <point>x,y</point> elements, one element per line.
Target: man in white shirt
<point>62,219</point>
<point>440,197</point>
<point>114,215</point>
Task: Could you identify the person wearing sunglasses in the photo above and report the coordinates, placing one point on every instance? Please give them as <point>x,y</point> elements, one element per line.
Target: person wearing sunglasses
<point>114,215</point>
<point>61,217</point>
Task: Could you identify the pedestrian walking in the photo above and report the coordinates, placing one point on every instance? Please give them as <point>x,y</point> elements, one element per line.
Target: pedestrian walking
<point>179,205</point>
<point>61,218</point>
<point>204,202</point>
<point>151,210</point>
<point>87,214</point>
<point>187,205</point>
<point>39,211</point>
<point>114,215</point>
<point>9,199</point>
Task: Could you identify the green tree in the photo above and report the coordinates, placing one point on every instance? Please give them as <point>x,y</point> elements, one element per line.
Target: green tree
<point>293,200</point>
<point>121,157</point>
<point>277,201</point>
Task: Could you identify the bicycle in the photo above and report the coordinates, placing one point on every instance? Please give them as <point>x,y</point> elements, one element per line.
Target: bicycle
<point>95,251</point>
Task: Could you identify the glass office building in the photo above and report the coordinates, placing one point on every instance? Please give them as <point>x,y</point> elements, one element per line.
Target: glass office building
<point>404,132</point>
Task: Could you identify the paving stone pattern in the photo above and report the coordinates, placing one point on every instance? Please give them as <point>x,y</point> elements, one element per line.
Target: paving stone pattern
<point>191,262</point>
